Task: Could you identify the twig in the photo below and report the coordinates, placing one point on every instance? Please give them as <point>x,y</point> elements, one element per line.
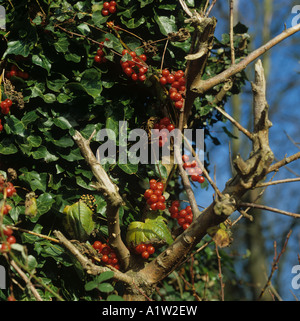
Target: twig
<point>87,265</point>
<point>268,208</point>
<point>235,123</point>
<point>210,8</point>
<point>231,33</point>
<point>220,273</point>
<point>185,8</point>
<point>33,233</point>
<point>275,263</point>
<point>27,280</point>
<point>201,86</point>
<point>283,162</point>
<point>281,181</point>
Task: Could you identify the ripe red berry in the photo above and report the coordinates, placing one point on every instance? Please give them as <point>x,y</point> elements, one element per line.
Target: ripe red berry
<point>124,52</point>
<point>173,209</point>
<point>153,206</point>
<point>97,59</point>
<point>170,127</point>
<point>181,221</point>
<point>8,102</point>
<point>11,239</point>
<point>201,179</point>
<point>112,9</point>
<point>148,193</point>
<point>7,231</point>
<point>161,198</point>
<point>160,206</point>
<point>104,258</point>
<point>97,245</point>
<point>183,213</point>
<point>113,3</point>
<point>165,73</point>
<point>132,54</point>
<point>170,79</point>
<point>143,57</point>
<point>142,77</point>
<point>153,186</point>
<point>185,158</point>
<point>163,80</point>
<point>189,218</point>
<point>150,249</point>
<point>153,198</point>
<point>145,255</point>
<point>195,178</point>
<point>128,71</point>
<point>185,226</point>
<point>106,5</point>
<point>105,12</point>
<point>5,247</point>
<point>179,104</point>
<point>134,77</point>
<point>160,186</point>
<point>176,203</point>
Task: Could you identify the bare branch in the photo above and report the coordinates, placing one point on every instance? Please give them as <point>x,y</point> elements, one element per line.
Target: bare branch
<point>283,162</point>
<point>268,208</point>
<point>231,33</point>
<point>112,196</point>
<point>281,181</point>
<point>201,86</point>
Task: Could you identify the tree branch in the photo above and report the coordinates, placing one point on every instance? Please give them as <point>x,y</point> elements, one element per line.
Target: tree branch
<point>281,181</point>
<point>283,162</point>
<point>112,196</point>
<point>201,86</point>
<point>268,208</point>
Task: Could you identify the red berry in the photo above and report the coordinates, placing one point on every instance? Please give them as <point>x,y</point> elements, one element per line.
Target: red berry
<point>189,218</point>
<point>7,231</point>
<point>97,245</point>
<point>11,239</point>
<point>160,186</point>
<point>134,77</point>
<point>105,12</point>
<point>163,81</point>
<point>170,79</point>
<point>124,52</point>
<point>97,59</point>
<point>11,298</point>
<point>142,77</point>
<point>176,203</point>
<point>4,104</point>
<point>185,226</point>
<point>165,121</point>
<point>158,192</point>
<point>150,249</point>
<point>165,73</point>
<point>160,206</point>
<point>181,221</point>
<point>145,255</point>
<point>201,179</point>
<point>153,206</point>
<point>148,193</point>
<point>152,181</point>
<point>179,74</point>
<point>153,186</point>
<point>132,54</point>
<point>179,104</point>
<point>176,84</point>
<point>183,213</point>
<point>189,209</point>
<point>9,102</point>
<point>173,209</point>
<point>170,127</point>
<point>104,258</point>
<point>185,158</point>
<point>143,57</point>
<point>162,199</point>
<point>113,3</point>
<point>112,9</point>
<point>106,5</point>
<point>182,81</point>
<point>195,178</point>
<point>153,198</point>
<point>13,73</point>
<point>128,71</point>
<point>5,247</point>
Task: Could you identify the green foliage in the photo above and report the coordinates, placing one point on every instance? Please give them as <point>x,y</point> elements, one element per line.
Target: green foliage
<point>55,43</point>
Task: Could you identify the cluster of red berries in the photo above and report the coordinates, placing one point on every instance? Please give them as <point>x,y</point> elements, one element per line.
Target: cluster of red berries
<point>176,81</point>
<point>164,123</point>
<point>184,217</point>
<point>16,72</point>
<point>100,55</point>
<point>5,106</point>
<point>109,8</point>
<point>192,169</point>
<point>135,68</point>
<point>8,186</point>
<point>154,196</point>
<point>5,209</point>
<point>9,240</point>
<point>108,255</point>
<point>145,250</point>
